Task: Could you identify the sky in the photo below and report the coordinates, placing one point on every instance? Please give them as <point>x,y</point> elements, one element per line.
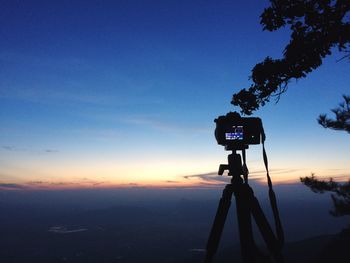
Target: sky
<point>124,93</point>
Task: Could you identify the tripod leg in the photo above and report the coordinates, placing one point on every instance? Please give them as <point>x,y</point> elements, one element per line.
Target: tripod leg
<point>244,223</point>
<point>271,242</point>
<point>219,222</point>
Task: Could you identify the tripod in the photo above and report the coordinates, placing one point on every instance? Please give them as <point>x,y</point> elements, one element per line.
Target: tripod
<point>247,205</point>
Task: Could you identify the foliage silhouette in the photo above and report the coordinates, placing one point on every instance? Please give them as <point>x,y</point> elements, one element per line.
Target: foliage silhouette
<point>316,28</point>
<point>342,117</point>
<point>340,196</point>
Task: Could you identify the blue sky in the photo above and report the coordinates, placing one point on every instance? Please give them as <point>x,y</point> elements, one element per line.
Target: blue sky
<point>125,92</point>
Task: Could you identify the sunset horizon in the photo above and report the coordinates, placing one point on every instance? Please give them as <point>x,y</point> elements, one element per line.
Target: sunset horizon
<point>117,118</point>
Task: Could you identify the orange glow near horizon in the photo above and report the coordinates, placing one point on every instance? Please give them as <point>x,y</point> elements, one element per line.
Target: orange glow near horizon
<point>199,180</point>
<point>82,185</point>
<point>150,172</point>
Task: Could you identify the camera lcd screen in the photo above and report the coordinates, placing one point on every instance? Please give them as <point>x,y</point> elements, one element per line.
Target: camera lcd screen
<point>236,134</point>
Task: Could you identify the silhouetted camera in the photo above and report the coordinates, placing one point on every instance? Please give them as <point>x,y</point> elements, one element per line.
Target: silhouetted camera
<point>236,132</point>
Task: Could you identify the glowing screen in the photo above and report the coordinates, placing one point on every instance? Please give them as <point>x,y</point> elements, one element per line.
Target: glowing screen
<point>237,133</point>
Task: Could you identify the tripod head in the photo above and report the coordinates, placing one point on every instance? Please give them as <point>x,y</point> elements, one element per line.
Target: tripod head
<point>234,166</point>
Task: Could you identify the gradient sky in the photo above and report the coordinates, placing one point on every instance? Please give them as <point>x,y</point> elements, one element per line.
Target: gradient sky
<point>124,93</point>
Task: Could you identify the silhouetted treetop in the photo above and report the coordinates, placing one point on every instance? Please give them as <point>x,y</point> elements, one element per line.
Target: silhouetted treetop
<point>342,117</point>
<point>316,27</point>
<point>340,198</point>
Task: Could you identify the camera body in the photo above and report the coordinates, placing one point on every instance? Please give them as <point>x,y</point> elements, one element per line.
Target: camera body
<point>236,132</point>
